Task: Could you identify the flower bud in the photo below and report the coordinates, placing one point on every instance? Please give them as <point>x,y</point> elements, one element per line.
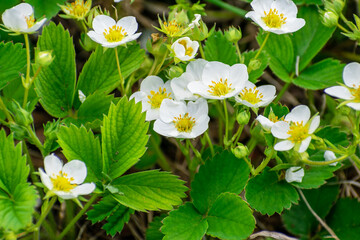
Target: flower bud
<point>330,18</point>
<point>240,151</point>
<point>21,116</point>
<point>254,64</point>
<point>201,32</point>
<point>233,34</point>
<point>338,5</point>
<point>174,72</point>
<point>243,117</point>
<point>44,58</point>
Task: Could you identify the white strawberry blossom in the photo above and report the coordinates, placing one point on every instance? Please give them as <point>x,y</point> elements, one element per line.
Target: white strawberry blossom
<point>65,180</point>
<point>256,97</point>
<point>185,49</point>
<point>329,156</point>
<point>294,174</point>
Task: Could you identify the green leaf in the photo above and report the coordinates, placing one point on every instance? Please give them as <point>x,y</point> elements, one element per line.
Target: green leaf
<point>218,48</point>
<point>111,210</point>
<point>344,219</point>
<point>78,143</point>
<point>231,176</point>
<point>47,8</point>
<point>263,58</point>
<point>100,72</point>
<point>8,4</point>
<point>311,38</point>
<point>153,232</point>
<point>321,75</point>
<point>185,223</point>
<point>12,61</point>
<point>230,218</point>
<point>55,84</point>
<point>300,221</point>
<point>150,190</point>
<point>17,207</point>
<point>333,135</point>
<point>123,137</point>
<point>278,109</point>
<point>268,195</point>
<point>281,53</point>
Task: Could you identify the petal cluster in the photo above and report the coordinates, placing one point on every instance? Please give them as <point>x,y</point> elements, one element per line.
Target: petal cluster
<point>351,91</point>
<point>277,16</point>
<point>110,33</point>
<point>296,129</point>
<point>20,19</point>
<point>65,180</point>
<point>185,49</point>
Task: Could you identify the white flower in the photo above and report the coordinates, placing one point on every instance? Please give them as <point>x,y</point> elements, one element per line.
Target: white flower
<point>193,73</point>
<point>117,1</point>
<point>21,19</point>
<point>277,16</point>
<point>77,10</point>
<point>185,49</point>
<point>152,92</point>
<point>82,96</point>
<point>65,181</point>
<point>296,129</point>
<point>179,120</point>
<point>111,34</point>
<point>329,156</point>
<point>256,97</point>
<point>220,81</point>
<point>195,22</point>
<point>294,174</point>
<point>350,92</point>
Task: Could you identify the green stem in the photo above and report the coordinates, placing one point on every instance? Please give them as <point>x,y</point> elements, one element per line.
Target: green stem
<point>122,82</point>
<point>251,144</point>
<point>238,51</point>
<point>316,163</point>
<point>6,111</point>
<point>184,150</point>
<point>44,214</point>
<point>229,7</point>
<point>237,135</point>
<point>28,65</point>
<point>77,217</point>
<point>251,167</point>
<point>196,152</point>
<point>345,20</point>
<point>342,28</point>
<point>35,140</point>
<point>356,160</point>
<point>162,160</point>
<point>158,68</point>
<point>262,45</point>
<point>153,67</point>
<point>207,137</point>
<point>201,51</point>
<point>282,91</point>
<point>264,163</point>
<point>226,124</point>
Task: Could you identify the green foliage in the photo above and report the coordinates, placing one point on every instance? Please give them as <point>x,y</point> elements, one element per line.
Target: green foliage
<point>231,176</point>
<point>100,72</point>
<point>78,143</point>
<point>150,190</point>
<point>321,75</point>
<point>218,48</point>
<point>333,135</point>
<point>344,219</point>
<point>17,197</point>
<point>230,218</point>
<point>153,232</point>
<point>185,223</point>
<point>55,84</point>
<point>115,214</point>
<point>263,58</point>
<point>7,4</point>
<point>268,195</point>
<point>45,8</point>
<point>300,221</point>
<point>123,137</point>
<point>12,62</point>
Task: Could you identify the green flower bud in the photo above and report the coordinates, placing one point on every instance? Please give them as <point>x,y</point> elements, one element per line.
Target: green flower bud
<point>22,117</point>
<point>240,151</point>
<point>44,58</point>
<point>174,72</point>
<point>20,132</point>
<point>233,34</point>
<point>254,64</point>
<point>338,5</point>
<point>330,18</point>
<point>201,32</point>
<point>243,117</point>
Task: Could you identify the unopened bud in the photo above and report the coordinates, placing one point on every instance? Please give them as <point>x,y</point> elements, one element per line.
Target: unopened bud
<point>330,19</point>
<point>243,117</point>
<point>254,64</point>
<point>240,151</point>
<point>233,34</point>
<point>175,71</point>
<point>338,5</point>
<point>44,58</point>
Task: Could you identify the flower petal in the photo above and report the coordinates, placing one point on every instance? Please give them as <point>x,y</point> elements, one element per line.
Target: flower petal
<point>298,114</point>
<point>339,92</point>
<point>179,86</point>
<point>196,68</point>
<point>84,189</point>
<point>265,122</point>
<point>238,76</point>
<point>75,170</point>
<point>351,75</point>
<point>355,106</point>
<point>129,24</point>
<point>36,26</point>
<point>304,144</point>
<point>165,129</point>
<point>329,156</point>
<point>102,23</point>
<point>170,109</point>
<point>198,108</point>
<point>151,83</point>
<point>294,174</point>
<point>45,179</point>
<point>314,124</point>
<point>53,165</point>
<point>284,145</point>
<point>280,130</point>
<point>214,71</point>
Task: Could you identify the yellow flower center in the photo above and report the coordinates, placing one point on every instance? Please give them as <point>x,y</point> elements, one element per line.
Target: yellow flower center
<point>78,8</point>
<point>188,50</point>
<point>172,28</point>
<point>273,19</point>
<point>30,21</point>
<point>220,88</point>
<point>184,123</point>
<point>298,132</point>
<point>114,34</point>
<point>356,93</point>
<point>62,182</point>
<point>156,98</point>
<point>251,95</point>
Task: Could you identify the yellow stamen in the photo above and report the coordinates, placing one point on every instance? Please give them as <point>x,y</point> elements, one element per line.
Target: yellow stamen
<point>78,8</point>
<point>172,28</point>
<point>156,98</point>
<point>251,95</point>
<point>188,50</point>
<point>30,21</point>
<point>114,34</point>
<point>220,88</point>
<point>184,123</point>
<point>298,132</point>
<point>61,182</point>
<point>356,93</point>
<point>273,19</point>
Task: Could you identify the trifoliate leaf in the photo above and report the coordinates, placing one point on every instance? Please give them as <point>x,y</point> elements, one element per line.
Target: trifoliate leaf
<point>263,61</point>
<point>268,195</point>
<point>344,219</point>
<point>100,72</point>
<point>123,137</point>
<point>12,62</point>
<point>150,190</point>
<point>218,48</point>
<point>300,221</point>
<point>184,223</point>
<point>230,218</point>
<point>55,84</point>
<point>153,232</point>
<point>223,173</point>
<point>81,144</point>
